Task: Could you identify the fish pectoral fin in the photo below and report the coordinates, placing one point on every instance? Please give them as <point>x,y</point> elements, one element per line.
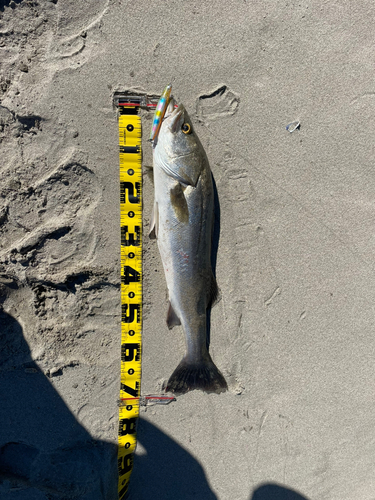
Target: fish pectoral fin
<point>154,223</point>
<point>179,203</point>
<point>213,292</point>
<point>172,318</point>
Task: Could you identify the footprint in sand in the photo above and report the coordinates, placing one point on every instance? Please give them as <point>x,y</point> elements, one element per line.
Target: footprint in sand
<point>220,103</point>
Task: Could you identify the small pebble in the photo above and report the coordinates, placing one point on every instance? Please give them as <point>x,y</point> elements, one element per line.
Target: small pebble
<point>23,67</point>
<point>55,371</point>
<point>291,127</point>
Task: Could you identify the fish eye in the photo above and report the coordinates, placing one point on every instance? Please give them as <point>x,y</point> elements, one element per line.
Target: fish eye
<point>186,128</point>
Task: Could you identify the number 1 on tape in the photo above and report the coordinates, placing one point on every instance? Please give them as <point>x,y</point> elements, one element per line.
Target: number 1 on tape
<point>131,290</point>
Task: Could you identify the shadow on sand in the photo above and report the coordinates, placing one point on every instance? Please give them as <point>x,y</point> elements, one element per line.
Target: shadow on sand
<point>273,491</point>
<point>166,471</point>
<point>44,452</point>
<point>214,251</point>
<point>8,3</point>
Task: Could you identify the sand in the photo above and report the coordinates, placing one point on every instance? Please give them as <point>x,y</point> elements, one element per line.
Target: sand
<point>293,332</point>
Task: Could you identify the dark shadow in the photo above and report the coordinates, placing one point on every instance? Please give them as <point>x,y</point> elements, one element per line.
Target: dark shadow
<point>8,3</point>
<point>216,230</point>
<point>273,491</point>
<point>45,454</point>
<point>167,471</point>
<point>214,250</point>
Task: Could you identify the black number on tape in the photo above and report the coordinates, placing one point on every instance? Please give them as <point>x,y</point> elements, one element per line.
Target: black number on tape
<point>129,390</point>
<point>133,308</point>
<point>126,426</point>
<point>130,276</point>
<point>122,492</point>
<point>130,352</point>
<point>129,186</point>
<point>125,464</point>
<point>130,239</point>
<point>130,149</point>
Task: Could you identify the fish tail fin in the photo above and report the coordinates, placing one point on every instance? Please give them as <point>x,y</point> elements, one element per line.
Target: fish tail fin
<point>200,374</point>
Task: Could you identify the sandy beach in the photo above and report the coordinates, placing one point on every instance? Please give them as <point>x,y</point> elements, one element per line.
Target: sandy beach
<point>293,331</point>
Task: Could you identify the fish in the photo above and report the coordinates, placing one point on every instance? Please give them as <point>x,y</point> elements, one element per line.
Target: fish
<point>182,222</point>
<point>160,111</point>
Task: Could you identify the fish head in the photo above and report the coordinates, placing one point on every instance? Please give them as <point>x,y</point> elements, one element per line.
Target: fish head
<point>177,131</point>
<point>178,148</point>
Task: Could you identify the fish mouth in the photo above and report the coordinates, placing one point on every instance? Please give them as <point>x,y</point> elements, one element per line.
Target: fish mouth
<point>175,118</point>
<point>170,108</point>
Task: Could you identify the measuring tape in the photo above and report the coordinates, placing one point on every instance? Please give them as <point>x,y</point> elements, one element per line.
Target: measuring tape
<point>131,289</point>
<point>130,134</point>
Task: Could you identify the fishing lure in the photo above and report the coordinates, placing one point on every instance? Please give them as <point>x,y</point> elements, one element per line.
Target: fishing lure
<point>160,112</point>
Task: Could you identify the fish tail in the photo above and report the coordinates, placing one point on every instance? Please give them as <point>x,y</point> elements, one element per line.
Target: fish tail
<point>201,374</point>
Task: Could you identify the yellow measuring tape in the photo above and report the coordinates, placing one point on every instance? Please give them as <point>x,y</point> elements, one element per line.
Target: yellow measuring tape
<point>130,135</point>
<point>131,289</point>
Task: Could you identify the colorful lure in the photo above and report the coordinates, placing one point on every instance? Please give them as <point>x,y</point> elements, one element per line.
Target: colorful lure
<point>160,111</point>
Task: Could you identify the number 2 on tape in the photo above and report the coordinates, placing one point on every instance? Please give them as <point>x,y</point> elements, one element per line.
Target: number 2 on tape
<point>131,290</point>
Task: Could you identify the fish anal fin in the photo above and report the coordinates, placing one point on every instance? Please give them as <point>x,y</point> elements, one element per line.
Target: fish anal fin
<point>172,318</point>
<point>154,223</point>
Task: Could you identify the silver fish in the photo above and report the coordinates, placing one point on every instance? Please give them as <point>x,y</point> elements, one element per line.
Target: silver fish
<point>182,221</point>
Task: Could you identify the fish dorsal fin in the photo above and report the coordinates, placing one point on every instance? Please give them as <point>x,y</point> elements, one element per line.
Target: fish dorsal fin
<point>154,223</point>
<point>172,318</point>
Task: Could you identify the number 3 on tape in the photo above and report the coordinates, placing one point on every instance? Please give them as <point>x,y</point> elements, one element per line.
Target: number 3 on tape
<point>131,290</point>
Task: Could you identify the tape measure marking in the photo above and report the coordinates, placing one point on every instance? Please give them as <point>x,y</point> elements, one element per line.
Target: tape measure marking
<point>131,290</point>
